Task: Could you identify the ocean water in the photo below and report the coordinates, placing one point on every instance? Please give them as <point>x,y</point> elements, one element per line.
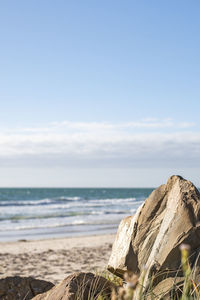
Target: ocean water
<point>36,213</point>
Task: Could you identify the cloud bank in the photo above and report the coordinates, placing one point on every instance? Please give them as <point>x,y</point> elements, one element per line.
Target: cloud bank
<point>148,142</point>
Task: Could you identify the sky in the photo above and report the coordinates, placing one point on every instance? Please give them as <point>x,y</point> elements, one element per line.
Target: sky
<point>99,93</point>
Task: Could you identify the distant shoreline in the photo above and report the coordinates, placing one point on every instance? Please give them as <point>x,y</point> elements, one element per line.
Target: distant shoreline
<point>57,233</point>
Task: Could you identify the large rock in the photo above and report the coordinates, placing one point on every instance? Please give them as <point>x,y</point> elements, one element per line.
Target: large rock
<point>81,286</point>
<point>167,289</point>
<point>22,288</point>
<point>150,240</point>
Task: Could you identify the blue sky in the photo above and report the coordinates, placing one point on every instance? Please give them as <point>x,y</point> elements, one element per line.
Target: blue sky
<point>99,93</point>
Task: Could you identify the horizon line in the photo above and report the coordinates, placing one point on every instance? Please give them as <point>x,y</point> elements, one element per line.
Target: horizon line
<point>61,187</point>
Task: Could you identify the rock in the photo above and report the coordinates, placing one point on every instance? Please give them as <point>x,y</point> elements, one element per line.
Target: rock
<point>123,258</point>
<point>169,288</point>
<point>22,288</point>
<point>81,286</point>
<point>150,240</point>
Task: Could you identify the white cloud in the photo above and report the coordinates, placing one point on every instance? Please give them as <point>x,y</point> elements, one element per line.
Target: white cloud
<point>146,142</point>
<point>145,123</point>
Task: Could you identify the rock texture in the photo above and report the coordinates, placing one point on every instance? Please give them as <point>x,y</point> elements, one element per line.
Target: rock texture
<point>151,238</point>
<point>81,286</point>
<point>169,288</point>
<point>22,288</point>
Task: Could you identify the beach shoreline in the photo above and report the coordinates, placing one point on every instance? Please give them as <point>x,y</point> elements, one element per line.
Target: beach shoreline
<point>54,259</point>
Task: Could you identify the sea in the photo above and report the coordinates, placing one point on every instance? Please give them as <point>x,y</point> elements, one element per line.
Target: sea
<point>39,213</point>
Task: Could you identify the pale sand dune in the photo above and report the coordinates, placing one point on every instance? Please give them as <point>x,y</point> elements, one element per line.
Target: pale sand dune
<point>54,259</point>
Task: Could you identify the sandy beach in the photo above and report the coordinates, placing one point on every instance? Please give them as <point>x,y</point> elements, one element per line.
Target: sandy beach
<point>54,259</point>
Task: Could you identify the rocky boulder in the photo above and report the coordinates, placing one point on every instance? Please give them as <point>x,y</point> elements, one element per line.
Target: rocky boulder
<point>82,286</point>
<point>22,288</point>
<point>151,238</point>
